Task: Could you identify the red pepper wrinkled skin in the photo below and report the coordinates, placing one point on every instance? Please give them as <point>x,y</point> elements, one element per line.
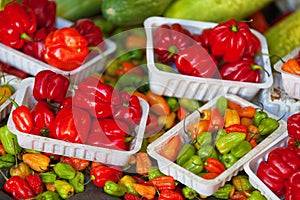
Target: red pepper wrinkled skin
<point>36,47</point>
<point>35,182</point>
<point>44,10</point>
<point>237,128</point>
<point>196,61</point>
<point>163,183</point>
<point>50,86</point>
<point>169,40</point>
<point>71,124</point>
<point>213,165</point>
<point>288,155</point>
<point>22,119</point>
<point>65,49</point>
<point>293,187</point>
<point>87,28</point>
<point>108,133</point>
<point>293,126</point>
<point>170,195</point>
<point>19,188</point>
<point>17,22</point>
<point>232,40</point>
<point>43,118</point>
<point>129,110</point>
<point>103,173</point>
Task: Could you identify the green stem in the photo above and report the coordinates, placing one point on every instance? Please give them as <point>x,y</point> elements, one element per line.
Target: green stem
<point>10,99</point>
<point>255,67</point>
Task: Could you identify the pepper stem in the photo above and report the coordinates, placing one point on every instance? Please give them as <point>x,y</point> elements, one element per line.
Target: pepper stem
<point>10,99</point>
<point>25,36</point>
<point>255,67</point>
<point>5,177</point>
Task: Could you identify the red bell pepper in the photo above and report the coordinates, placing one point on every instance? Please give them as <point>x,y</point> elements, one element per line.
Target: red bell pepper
<point>237,128</point>
<point>293,126</point>
<point>36,47</point>
<point>102,173</point>
<point>77,163</point>
<point>169,40</point>
<point>44,10</point>
<point>163,183</point>
<point>213,165</point>
<point>19,188</point>
<point>92,33</point>
<point>71,124</point>
<point>196,61</point>
<point>288,155</point>
<point>204,38</point>
<point>65,49</point>
<point>22,119</point>
<point>232,40</point>
<point>35,182</point>
<point>50,86</point>
<point>216,120</point>
<point>293,187</point>
<point>43,118</point>
<point>170,195</point>
<point>17,22</point>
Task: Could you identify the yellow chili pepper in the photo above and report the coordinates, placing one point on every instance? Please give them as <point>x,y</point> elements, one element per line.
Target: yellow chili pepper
<point>37,162</point>
<point>4,91</point>
<point>231,117</point>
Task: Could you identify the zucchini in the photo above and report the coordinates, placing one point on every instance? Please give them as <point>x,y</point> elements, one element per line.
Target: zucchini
<point>214,10</point>
<point>283,37</point>
<point>132,12</point>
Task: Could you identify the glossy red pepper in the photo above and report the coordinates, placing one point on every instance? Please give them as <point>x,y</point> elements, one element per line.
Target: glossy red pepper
<point>170,195</point>
<point>288,155</point>
<point>232,40</point>
<point>169,40</point>
<point>77,163</point>
<point>44,10</point>
<point>163,183</point>
<point>43,118</point>
<point>216,120</point>
<point>293,126</point>
<point>294,145</point>
<point>50,86</point>
<point>65,49</point>
<point>22,118</point>
<point>35,182</point>
<point>36,47</point>
<point>19,188</point>
<point>17,22</point>
<point>8,69</point>
<point>92,33</point>
<point>293,187</point>
<point>237,128</point>
<point>196,61</point>
<point>71,124</point>
<point>102,173</point>
<point>213,165</point>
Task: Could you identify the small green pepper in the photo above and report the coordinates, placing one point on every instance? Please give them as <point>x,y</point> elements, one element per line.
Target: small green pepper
<point>256,195</point>
<point>222,104</point>
<point>114,189</point>
<point>48,177</point>
<point>9,141</point>
<point>227,142</point>
<point>220,133</point>
<point>173,103</point>
<point>185,153</point>
<point>128,182</point>
<point>189,193</point>
<point>203,139</point>
<point>241,149</point>
<point>242,183</point>
<point>64,189</point>
<point>207,151</point>
<point>267,126</point>
<point>7,160</point>
<point>189,104</point>
<point>224,192</point>
<point>166,68</point>
<point>78,182</point>
<point>128,80</point>
<point>194,164</point>
<point>64,170</point>
<point>258,116</point>
<point>154,172</point>
<point>228,159</point>
<point>48,195</point>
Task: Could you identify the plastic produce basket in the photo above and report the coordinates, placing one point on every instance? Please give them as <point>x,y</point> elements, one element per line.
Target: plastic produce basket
<point>178,85</point>
<point>32,66</point>
<point>88,152</point>
<point>204,186</point>
<point>291,82</point>
<point>251,167</point>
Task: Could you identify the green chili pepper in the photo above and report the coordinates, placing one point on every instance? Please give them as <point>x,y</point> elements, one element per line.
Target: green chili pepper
<point>241,149</point>
<point>189,193</point>
<point>267,126</point>
<point>258,116</point>
<point>9,141</point>
<point>222,104</point>
<point>165,68</point>
<point>144,145</point>
<point>128,80</point>
<point>227,142</point>
<point>241,183</point>
<point>48,177</point>
<point>186,151</point>
<point>7,160</point>
<point>111,68</point>
<point>154,172</point>
<point>64,170</point>
<point>256,195</point>
<point>203,139</point>
<point>228,159</point>
<point>64,189</point>
<point>207,151</point>
<point>189,104</point>
<point>194,164</point>
<point>224,191</point>
<point>48,195</point>
<point>136,54</point>
<point>220,133</point>
<point>78,182</point>
<point>173,103</point>
<point>114,189</point>
<point>128,182</point>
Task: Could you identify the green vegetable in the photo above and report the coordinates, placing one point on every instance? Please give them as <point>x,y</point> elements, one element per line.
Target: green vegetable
<point>64,170</point>
<point>222,104</point>
<point>165,68</point>
<point>194,164</point>
<point>173,103</point>
<point>48,195</point>
<point>283,37</point>
<point>114,189</point>
<point>228,159</point>
<point>76,9</point>
<point>154,172</point>
<point>132,12</point>
<point>256,195</point>
<point>9,141</point>
<point>64,189</point>
<point>7,160</point>
<point>203,139</point>
<point>186,151</point>
<point>189,193</point>
<point>78,182</point>
<point>267,126</point>
<point>258,116</point>
<point>214,11</point>
<point>227,142</point>
<point>241,149</point>
<point>242,183</point>
<point>48,177</point>
<point>189,104</point>
<point>104,25</point>
<point>224,191</point>
<point>207,151</point>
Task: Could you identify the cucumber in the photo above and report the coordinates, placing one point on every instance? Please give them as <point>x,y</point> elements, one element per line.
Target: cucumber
<point>132,12</point>
<point>284,36</point>
<point>214,10</point>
